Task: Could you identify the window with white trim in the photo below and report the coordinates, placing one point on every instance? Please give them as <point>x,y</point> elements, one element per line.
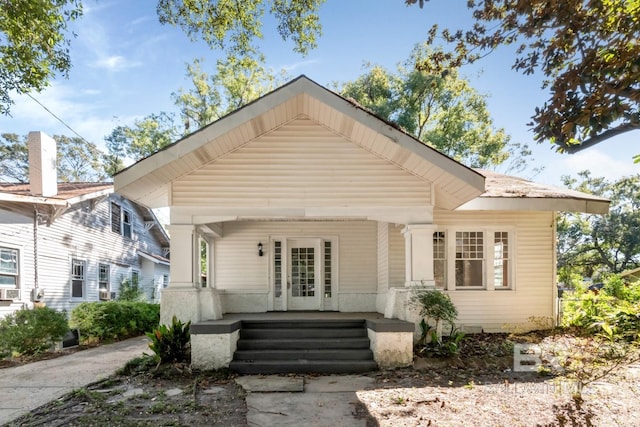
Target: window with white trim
<point>103,277</point>
<point>135,278</point>
<point>469,266</point>
<point>501,262</point>
<point>127,223</point>
<point>9,267</point>
<point>440,259</point>
<point>116,218</point>
<point>277,268</point>
<point>327,273</point>
<point>121,220</point>
<point>78,276</point>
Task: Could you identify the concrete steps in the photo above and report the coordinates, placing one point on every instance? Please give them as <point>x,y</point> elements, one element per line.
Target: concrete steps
<point>308,346</point>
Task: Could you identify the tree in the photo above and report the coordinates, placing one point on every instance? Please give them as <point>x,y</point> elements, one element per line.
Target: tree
<point>232,25</point>
<point>591,244</point>
<point>34,44</point>
<point>444,112</point>
<point>235,84</point>
<point>14,158</point>
<point>78,160</point>
<point>588,52</point>
<point>145,137</point>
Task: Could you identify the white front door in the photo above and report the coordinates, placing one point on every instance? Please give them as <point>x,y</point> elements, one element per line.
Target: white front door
<point>304,284</point>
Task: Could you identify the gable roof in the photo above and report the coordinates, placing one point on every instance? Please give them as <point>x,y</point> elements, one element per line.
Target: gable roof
<point>505,192</point>
<point>148,181</point>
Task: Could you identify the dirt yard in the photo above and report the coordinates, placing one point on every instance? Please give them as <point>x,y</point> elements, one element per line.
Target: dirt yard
<point>479,389</point>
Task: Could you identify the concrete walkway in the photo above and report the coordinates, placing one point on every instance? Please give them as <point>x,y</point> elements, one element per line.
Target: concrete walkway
<point>325,401</point>
<point>27,387</point>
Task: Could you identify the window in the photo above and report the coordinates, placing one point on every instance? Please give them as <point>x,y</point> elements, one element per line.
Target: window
<point>501,260</point>
<point>165,280</point>
<point>135,277</point>
<point>78,270</point>
<point>277,268</point>
<point>116,218</point>
<point>9,267</point>
<point>126,223</point>
<point>103,277</point>
<point>439,259</point>
<point>121,220</point>
<point>327,269</point>
<point>469,259</point>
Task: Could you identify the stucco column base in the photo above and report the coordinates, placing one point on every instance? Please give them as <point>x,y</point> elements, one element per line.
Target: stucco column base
<point>183,303</point>
<point>399,307</point>
<point>391,349</point>
<point>210,305</point>
<point>213,351</point>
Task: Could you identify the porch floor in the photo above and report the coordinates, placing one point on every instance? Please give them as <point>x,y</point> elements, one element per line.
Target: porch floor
<point>230,318</point>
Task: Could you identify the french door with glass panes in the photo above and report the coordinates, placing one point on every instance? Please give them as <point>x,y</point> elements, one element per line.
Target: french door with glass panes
<point>304,284</point>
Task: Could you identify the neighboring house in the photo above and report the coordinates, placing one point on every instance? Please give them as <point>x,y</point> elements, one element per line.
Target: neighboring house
<point>307,201</point>
<point>65,243</point>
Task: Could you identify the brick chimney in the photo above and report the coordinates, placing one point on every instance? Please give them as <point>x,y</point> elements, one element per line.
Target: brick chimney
<point>43,174</point>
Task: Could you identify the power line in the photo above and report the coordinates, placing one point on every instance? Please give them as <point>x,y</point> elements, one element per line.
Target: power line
<point>58,118</point>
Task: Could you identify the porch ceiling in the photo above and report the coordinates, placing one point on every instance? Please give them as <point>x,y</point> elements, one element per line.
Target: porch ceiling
<point>149,181</point>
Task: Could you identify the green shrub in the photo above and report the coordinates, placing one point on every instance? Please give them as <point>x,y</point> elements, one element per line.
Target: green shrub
<point>434,304</point>
<point>171,343</point>
<point>114,320</point>
<point>129,291</point>
<point>612,313</point>
<point>31,331</point>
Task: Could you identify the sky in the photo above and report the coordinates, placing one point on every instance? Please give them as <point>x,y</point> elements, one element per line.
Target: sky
<point>125,65</point>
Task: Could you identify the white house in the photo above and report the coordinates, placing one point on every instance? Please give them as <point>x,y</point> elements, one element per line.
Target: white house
<point>306,201</point>
<point>65,243</point>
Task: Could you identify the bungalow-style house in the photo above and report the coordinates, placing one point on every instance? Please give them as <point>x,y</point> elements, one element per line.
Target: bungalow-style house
<point>307,202</point>
<point>65,243</point>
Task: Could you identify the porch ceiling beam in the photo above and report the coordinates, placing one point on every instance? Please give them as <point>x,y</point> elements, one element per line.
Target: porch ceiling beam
<point>212,215</point>
<point>211,229</point>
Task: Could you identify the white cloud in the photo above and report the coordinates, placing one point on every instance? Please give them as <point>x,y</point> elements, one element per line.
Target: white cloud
<point>80,110</point>
<point>113,63</point>
<point>300,64</point>
<point>600,164</point>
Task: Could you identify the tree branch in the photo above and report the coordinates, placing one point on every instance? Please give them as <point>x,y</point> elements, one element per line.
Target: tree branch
<point>609,133</point>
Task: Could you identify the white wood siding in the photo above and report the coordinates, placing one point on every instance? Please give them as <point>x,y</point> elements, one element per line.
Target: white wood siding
<point>301,164</point>
<point>533,290</point>
<point>16,232</point>
<point>239,268</point>
<point>85,234</point>
<point>383,257</point>
<point>397,268</point>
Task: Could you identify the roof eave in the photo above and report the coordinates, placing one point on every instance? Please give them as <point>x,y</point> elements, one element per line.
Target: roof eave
<point>39,200</point>
<point>591,206</point>
<point>90,196</point>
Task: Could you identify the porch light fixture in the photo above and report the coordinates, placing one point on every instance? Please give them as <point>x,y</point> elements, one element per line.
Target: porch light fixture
<point>260,253</point>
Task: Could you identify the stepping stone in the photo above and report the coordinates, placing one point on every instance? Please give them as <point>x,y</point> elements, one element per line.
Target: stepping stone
<point>173,392</point>
<point>270,383</point>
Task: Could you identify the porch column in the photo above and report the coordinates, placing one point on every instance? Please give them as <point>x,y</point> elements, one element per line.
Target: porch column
<point>419,255</point>
<point>184,242</point>
<point>181,298</point>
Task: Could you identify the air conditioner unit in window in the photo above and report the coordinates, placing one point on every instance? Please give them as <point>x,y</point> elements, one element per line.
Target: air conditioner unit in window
<point>9,294</point>
<point>104,295</point>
